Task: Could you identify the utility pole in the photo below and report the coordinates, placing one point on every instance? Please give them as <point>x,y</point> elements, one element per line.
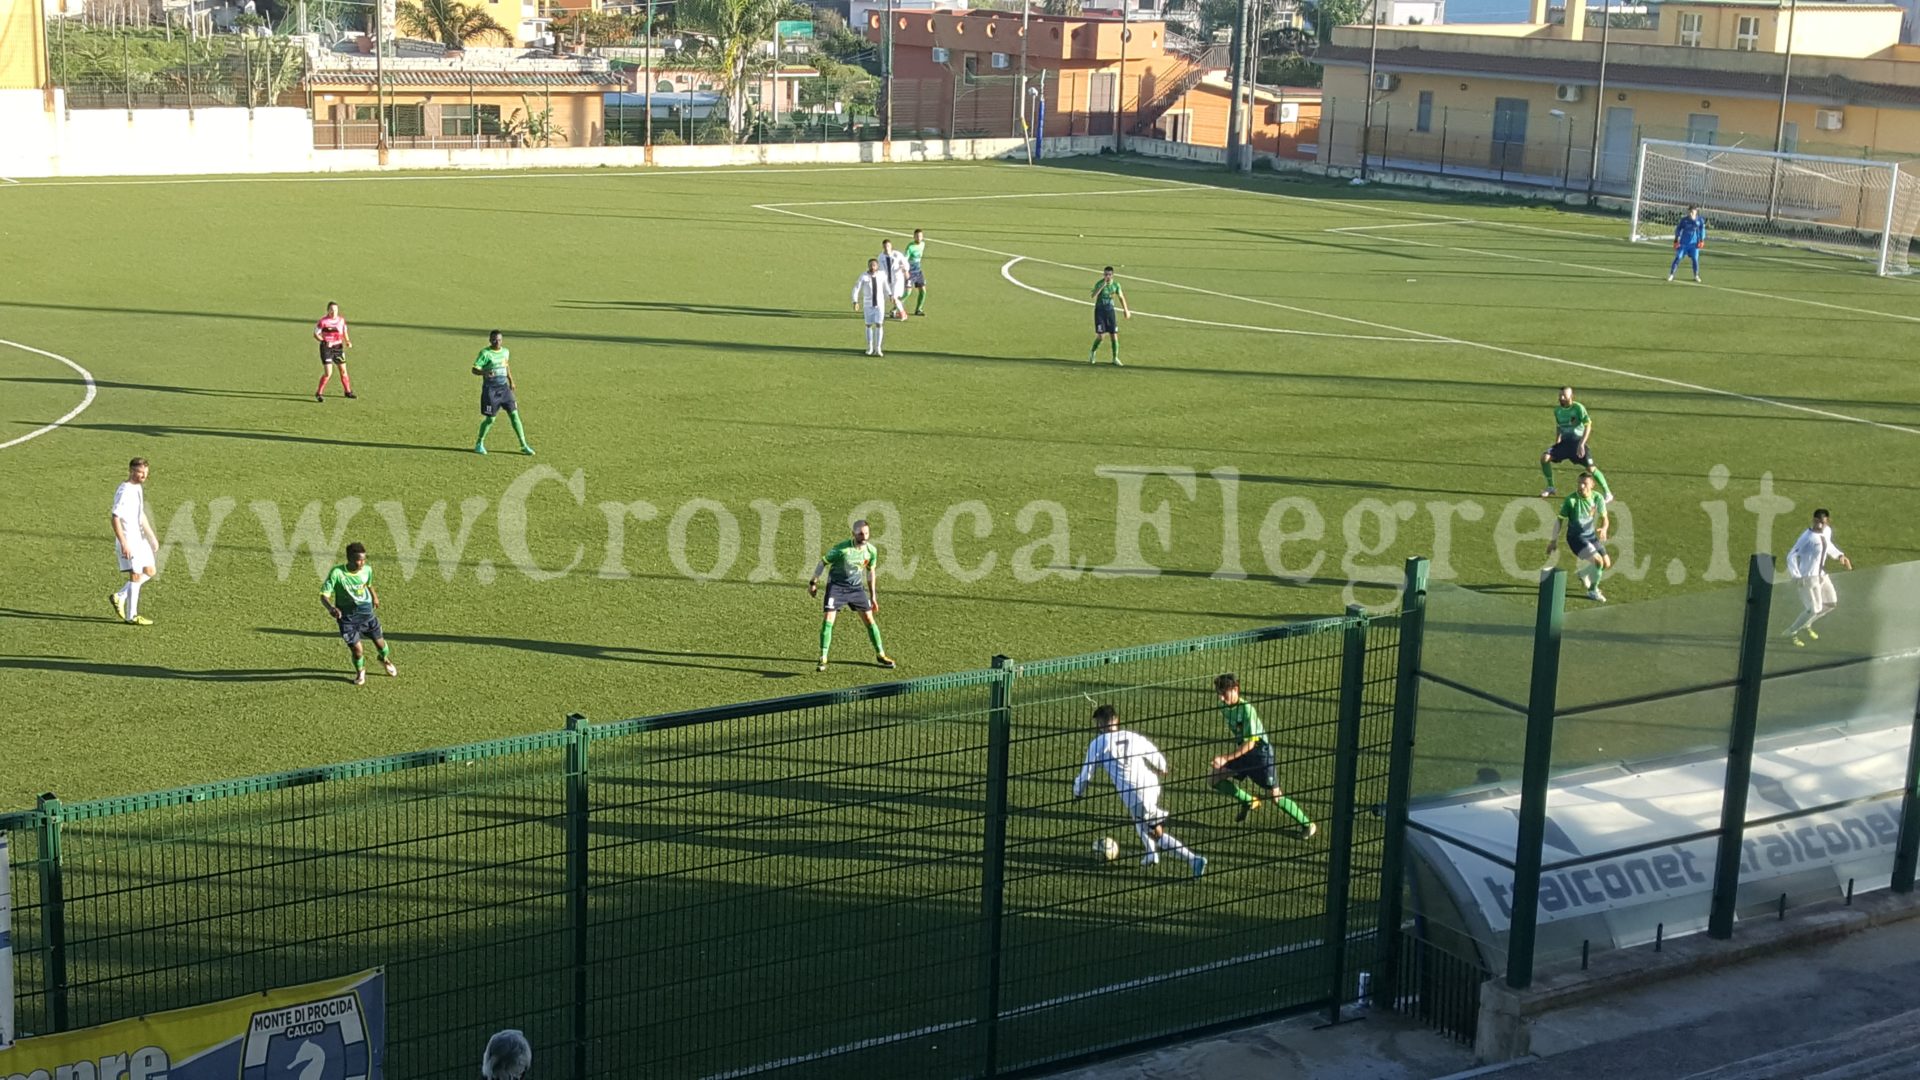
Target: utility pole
<point>1780,128</point>
<point>1373,72</point>
<point>1238,49</point>
<point>647,136</point>
<point>886,71</point>
<point>1599,100</point>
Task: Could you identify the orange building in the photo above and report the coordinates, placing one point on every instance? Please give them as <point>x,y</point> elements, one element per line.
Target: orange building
<point>1284,119</point>
<point>959,72</point>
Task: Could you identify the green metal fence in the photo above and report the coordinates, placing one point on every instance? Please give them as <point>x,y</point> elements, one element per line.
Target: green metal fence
<point>889,880</point>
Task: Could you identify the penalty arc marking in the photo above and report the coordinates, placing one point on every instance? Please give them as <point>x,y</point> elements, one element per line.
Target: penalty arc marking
<point>85,376</point>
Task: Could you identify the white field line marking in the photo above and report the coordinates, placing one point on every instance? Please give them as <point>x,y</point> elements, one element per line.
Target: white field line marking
<point>607,172</point>
<point>1388,327</point>
<point>85,375</point>
<point>1022,1010</point>
<point>969,198</point>
<point>9,179</point>
<point>1403,225</point>
<point>1006,271</point>
<point>1636,274</point>
<point>1365,208</point>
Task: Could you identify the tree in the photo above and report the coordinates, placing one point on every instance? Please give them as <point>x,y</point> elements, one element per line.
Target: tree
<point>732,31</point>
<point>1324,15</point>
<point>1061,7</point>
<point>449,22</point>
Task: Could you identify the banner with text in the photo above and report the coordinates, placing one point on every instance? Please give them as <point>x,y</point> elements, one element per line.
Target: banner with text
<point>6,951</point>
<point>330,1030</point>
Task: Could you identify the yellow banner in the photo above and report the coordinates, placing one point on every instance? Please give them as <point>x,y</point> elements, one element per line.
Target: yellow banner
<point>330,1030</point>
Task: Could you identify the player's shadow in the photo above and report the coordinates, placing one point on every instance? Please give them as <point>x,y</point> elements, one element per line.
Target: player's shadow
<point>197,391</point>
<point>585,651</point>
<point>163,431</point>
<point>704,309</point>
<point>77,666</point>
<point>55,616</point>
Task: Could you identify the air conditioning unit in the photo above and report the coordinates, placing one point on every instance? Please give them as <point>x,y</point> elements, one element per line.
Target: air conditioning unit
<point>1384,81</point>
<point>941,56</point>
<point>1566,92</point>
<point>1002,60</point>
<point>1828,119</point>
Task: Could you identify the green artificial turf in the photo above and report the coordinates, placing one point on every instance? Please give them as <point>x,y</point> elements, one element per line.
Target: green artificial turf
<point>676,342</point>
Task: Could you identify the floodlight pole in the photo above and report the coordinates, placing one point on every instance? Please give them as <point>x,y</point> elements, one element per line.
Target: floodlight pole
<point>886,63</point>
<point>1120,82</point>
<point>1020,99</point>
<point>1780,126</point>
<point>380,73</point>
<point>647,136</point>
<point>1599,101</point>
<point>1373,66</point>
<point>1238,62</point>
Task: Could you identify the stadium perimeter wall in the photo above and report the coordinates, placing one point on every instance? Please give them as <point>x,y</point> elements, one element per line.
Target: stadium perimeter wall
<point>223,141</point>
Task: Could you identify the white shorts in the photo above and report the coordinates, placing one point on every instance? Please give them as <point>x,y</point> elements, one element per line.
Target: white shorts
<point>1816,592</point>
<point>1143,805</point>
<point>899,284</point>
<point>142,558</point>
<point>876,316</point>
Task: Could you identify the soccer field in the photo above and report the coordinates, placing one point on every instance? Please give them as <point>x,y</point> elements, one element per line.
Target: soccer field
<point>1319,382</point>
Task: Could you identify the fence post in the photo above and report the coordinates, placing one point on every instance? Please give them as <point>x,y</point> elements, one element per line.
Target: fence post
<point>53,910</point>
<point>1542,697</point>
<point>1444,110</point>
<point>1406,704</point>
<point>1346,760</point>
<point>1906,851</point>
<point>993,861</point>
<point>579,809</point>
<point>1746,718</point>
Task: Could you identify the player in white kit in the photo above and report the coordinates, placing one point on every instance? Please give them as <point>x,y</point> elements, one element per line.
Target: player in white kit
<point>894,265</point>
<point>1807,565</point>
<point>1135,766</point>
<point>872,295</point>
<point>134,542</point>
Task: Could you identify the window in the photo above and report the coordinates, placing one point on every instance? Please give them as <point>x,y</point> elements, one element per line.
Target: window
<point>406,120</point>
<point>1100,92</point>
<point>365,112</point>
<point>1746,35</point>
<point>971,67</point>
<point>1790,138</point>
<point>1424,122</point>
<point>461,120</point>
<point>1690,28</point>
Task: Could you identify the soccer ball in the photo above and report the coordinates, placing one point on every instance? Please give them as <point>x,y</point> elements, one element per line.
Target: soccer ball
<point>1105,849</point>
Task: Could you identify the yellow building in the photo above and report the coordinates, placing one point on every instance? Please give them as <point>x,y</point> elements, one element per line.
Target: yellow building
<point>453,108</point>
<point>1522,102</point>
<point>23,45</point>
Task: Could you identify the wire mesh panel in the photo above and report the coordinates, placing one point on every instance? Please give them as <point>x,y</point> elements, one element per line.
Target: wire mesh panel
<point>31,1013</point>
<point>447,869</point>
<point>1099,952</point>
<point>792,887</point>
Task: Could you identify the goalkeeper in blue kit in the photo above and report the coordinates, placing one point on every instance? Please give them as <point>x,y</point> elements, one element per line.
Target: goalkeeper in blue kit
<point>1688,238</point>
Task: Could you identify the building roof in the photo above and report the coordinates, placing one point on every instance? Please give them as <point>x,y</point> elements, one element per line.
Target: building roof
<point>1804,5</point>
<point>476,77</point>
<point>1222,82</point>
<point>1826,89</point>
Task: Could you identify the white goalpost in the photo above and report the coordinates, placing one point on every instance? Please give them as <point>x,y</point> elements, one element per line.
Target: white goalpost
<point>1840,206</point>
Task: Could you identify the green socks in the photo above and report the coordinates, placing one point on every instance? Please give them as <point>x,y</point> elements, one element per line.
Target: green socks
<point>385,651</point>
<point>1293,810</point>
<point>514,419</point>
<point>873,634</point>
<point>486,425</point>
<point>1113,343</point>
<point>1600,481</point>
<point>826,637</point>
<point>1095,351</point>
<point>1231,790</point>
<point>919,301</point>
<point>1546,470</point>
<point>360,663</point>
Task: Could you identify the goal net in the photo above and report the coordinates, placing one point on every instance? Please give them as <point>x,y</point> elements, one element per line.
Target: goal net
<point>1841,206</point>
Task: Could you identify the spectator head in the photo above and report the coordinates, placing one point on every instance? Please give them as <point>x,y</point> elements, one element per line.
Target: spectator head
<point>508,1057</point>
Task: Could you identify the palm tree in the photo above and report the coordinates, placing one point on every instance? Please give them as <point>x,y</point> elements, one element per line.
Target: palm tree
<point>449,22</point>
<point>733,29</point>
<point>1061,7</point>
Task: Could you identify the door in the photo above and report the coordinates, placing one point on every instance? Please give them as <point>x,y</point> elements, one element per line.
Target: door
<point>1616,150</point>
<point>1702,127</point>
<point>1509,134</point>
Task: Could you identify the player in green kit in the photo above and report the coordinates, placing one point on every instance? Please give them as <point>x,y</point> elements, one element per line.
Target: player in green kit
<point>849,569</point>
<point>1252,760</point>
<point>916,277</point>
<point>1106,293</point>
<point>1584,515</point>
<point>1572,428</point>
<point>350,599</point>
<point>496,392</point>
